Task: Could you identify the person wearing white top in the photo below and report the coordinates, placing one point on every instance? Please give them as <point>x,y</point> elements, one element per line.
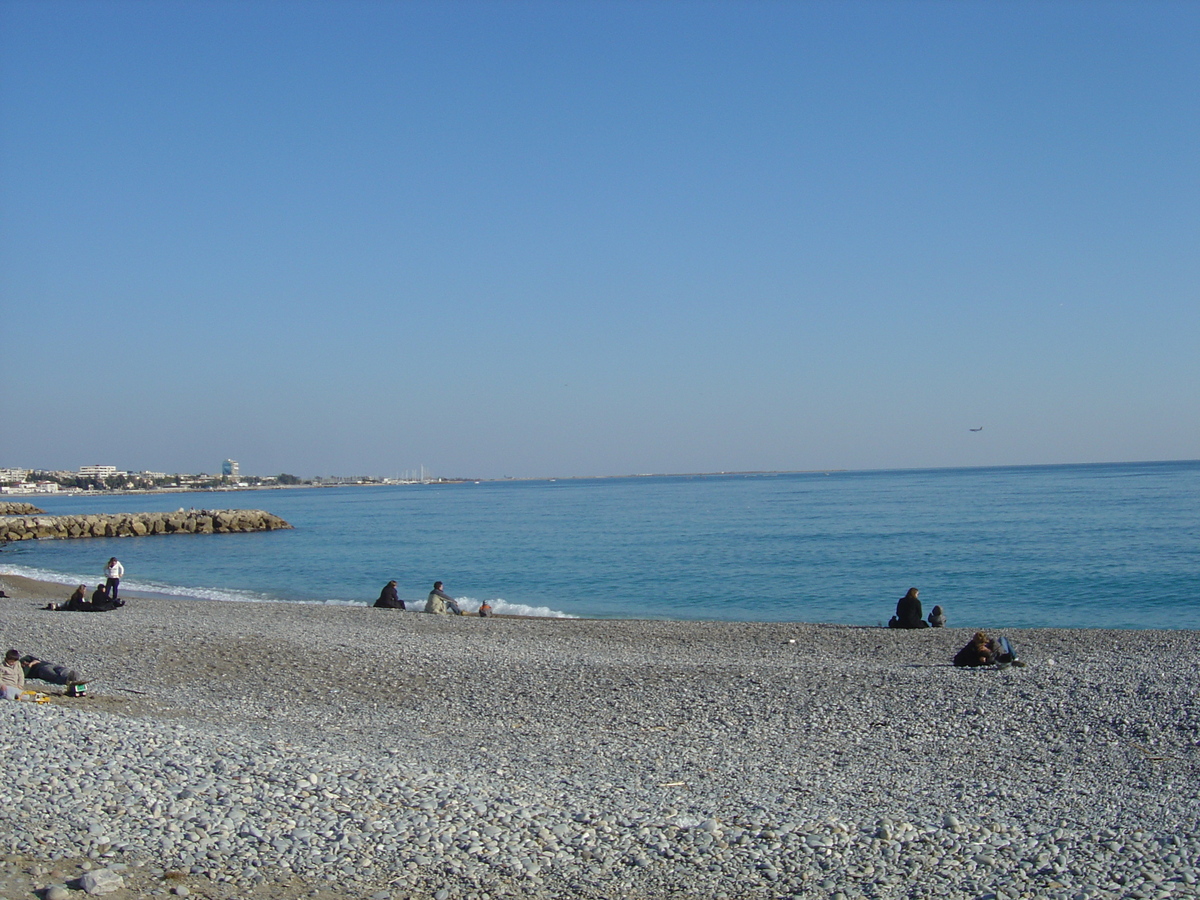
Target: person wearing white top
<point>113,573</point>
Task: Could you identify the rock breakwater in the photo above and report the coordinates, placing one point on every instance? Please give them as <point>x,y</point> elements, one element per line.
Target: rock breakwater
<point>13,508</point>
<point>203,521</point>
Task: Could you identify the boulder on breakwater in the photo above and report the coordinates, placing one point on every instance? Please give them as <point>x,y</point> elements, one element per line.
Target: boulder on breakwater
<point>203,521</point>
<point>13,508</point>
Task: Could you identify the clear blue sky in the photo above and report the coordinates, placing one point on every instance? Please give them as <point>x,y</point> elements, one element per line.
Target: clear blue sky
<point>536,239</point>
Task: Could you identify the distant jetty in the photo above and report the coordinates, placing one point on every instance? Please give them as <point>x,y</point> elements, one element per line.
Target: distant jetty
<point>203,521</point>
<point>8,508</point>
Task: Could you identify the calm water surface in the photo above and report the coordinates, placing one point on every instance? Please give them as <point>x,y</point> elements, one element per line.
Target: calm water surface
<point>1094,545</point>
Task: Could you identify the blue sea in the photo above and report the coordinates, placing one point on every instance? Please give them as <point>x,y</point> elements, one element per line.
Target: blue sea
<point>1111,546</point>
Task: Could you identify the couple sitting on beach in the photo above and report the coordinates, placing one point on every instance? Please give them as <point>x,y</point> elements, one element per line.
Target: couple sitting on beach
<point>908,613</point>
<point>985,651</point>
<point>100,602</point>
<point>438,602</point>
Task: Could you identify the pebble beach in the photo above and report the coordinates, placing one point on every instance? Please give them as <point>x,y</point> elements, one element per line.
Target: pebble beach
<point>284,750</point>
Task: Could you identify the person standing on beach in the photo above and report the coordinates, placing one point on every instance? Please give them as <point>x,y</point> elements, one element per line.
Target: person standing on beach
<point>389,598</point>
<point>113,573</point>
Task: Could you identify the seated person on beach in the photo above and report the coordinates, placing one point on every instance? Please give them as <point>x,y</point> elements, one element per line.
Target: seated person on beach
<point>389,598</point>
<point>77,603</point>
<point>985,651</point>
<point>440,603</point>
<point>48,672</point>
<point>485,609</point>
<point>102,601</point>
<point>12,676</point>
<point>908,612</point>
<point>937,618</point>
<point>979,652</point>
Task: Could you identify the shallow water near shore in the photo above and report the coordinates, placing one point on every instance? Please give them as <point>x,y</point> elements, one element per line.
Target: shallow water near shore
<point>1112,546</point>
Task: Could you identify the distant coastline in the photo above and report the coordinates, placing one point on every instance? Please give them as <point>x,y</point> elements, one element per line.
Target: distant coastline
<point>389,482</point>
<point>182,489</point>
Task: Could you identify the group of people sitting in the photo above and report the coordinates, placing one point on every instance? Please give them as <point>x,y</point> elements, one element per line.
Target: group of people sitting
<point>438,602</point>
<point>981,651</point>
<point>17,668</point>
<point>985,651</point>
<point>101,601</point>
<point>908,613</point>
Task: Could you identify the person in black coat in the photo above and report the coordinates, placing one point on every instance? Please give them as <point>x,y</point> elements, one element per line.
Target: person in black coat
<point>389,598</point>
<point>908,612</point>
<point>46,671</point>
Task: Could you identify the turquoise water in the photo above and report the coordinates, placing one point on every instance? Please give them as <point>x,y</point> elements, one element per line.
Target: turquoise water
<point>1092,545</point>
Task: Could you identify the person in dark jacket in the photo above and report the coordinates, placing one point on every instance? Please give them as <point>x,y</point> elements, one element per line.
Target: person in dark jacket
<point>389,598</point>
<point>986,651</point>
<point>908,612</point>
<point>49,672</point>
<point>77,603</point>
<point>981,651</point>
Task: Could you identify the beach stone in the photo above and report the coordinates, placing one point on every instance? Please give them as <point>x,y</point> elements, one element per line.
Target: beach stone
<point>101,881</point>
<point>539,787</point>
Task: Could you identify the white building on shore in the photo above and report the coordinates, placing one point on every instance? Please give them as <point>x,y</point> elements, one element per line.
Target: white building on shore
<point>30,487</point>
<point>98,471</point>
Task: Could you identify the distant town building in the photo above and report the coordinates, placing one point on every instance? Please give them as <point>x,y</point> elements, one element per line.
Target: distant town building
<point>97,471</point>
<point>13,476</point>
<point>230,468</point>
<point>30,487</point>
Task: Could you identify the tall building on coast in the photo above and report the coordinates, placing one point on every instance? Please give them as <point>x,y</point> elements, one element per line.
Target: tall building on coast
<point>230,468</point>
<point>97,471</point>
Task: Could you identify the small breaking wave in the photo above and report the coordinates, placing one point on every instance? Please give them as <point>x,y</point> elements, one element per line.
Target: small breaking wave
<point>502,607</point>
<point>233,595</point>
<point>43,575</point>
<point>133,586</point>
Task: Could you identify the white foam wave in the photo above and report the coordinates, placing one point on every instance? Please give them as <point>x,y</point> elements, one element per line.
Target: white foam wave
<point>501,606</point>
<point>43,575</point>
<point>230,595</point>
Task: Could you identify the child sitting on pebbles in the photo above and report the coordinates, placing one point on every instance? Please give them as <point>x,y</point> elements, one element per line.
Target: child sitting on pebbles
<point>12,676</point>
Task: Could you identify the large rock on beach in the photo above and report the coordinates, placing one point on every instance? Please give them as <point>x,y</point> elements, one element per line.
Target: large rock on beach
<point>101,881</point>
<point>225,521</point>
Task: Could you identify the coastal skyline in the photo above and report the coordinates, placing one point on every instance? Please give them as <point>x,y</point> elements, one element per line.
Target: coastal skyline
<point>546,240</point>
